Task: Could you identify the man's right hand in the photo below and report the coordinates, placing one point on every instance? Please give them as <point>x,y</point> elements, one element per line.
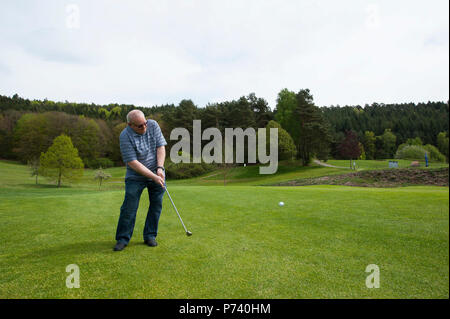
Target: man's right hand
<point>141,169</point>
<point>159,180</point>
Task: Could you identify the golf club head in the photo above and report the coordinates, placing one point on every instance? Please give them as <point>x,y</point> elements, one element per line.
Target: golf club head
<point>188,233</point>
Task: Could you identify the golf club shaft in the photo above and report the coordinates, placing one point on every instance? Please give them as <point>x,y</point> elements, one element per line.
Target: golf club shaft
<point>176,210</point>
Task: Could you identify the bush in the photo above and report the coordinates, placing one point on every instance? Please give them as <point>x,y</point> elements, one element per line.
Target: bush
<point>401,146</point>
<point>434,154</point>
<point>187,170</point>
<point>416,152</point>
<point>286,146</point>
<point>96,163</point>
<point>411,152</point>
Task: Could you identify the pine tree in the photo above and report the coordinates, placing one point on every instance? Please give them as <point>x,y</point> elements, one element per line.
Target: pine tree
<point>313,132</point>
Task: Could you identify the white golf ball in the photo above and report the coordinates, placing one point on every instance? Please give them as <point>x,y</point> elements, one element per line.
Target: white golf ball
<point>281,203</point>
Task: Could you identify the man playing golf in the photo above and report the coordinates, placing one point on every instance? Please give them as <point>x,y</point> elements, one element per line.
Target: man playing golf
<point>142,147</point>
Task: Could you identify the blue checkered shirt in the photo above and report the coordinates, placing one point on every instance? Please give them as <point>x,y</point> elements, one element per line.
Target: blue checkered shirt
<point>134,146</point>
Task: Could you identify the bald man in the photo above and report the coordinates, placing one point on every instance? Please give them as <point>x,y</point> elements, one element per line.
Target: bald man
<point>143,150</point>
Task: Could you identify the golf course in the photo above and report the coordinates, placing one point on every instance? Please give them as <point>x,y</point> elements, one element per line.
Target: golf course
<point>244,244</point>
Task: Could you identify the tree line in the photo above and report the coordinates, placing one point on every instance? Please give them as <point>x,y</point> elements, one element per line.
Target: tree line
<point>28,127</point>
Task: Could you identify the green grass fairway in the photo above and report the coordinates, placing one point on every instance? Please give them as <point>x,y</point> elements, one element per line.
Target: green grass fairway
<point>243,245</point>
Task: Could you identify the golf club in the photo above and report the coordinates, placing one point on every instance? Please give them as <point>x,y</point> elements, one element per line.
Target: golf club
<point>188,233</point>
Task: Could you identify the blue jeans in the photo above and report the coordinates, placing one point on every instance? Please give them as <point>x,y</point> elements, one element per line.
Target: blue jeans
<point>127,219</point>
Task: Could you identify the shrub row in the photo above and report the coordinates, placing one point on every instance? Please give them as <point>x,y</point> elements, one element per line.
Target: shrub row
<point>187,170</point>
<point>96,163</point>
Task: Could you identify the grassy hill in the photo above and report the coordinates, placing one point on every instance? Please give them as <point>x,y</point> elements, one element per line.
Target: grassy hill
<point>244,245</point>
<point>289,171</point>
<point>15,174</point>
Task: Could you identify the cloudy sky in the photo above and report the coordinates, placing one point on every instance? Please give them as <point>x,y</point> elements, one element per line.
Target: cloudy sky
<point>150,52</point>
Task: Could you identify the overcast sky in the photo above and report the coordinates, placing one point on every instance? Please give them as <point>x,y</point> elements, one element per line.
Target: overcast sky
<point>149,53</point>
